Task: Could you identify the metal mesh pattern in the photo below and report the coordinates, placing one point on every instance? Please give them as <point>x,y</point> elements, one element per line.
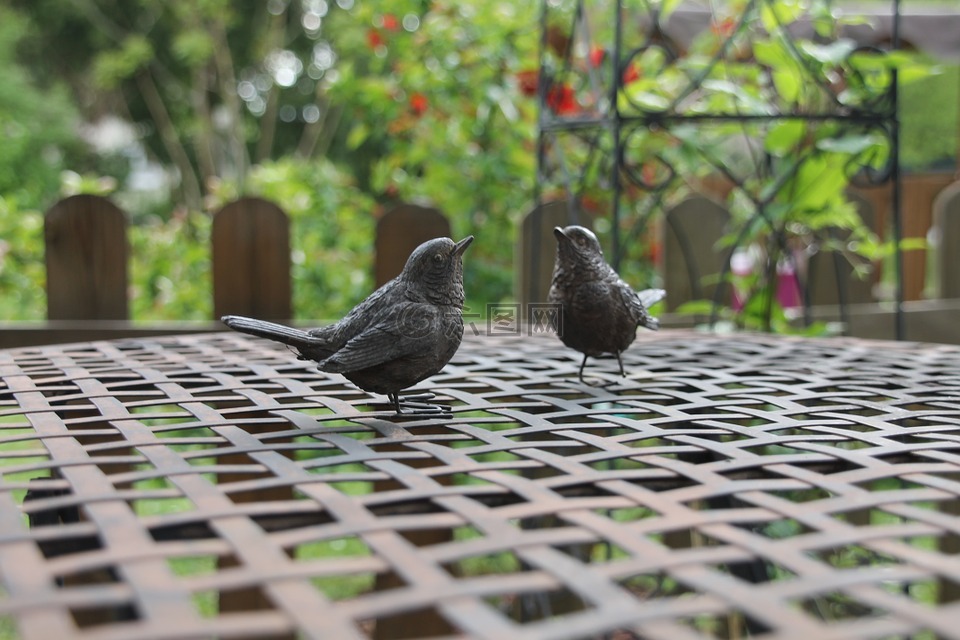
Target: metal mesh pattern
<point>730,486</point>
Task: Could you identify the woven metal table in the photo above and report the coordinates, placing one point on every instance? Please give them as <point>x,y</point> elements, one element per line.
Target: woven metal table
<point>730,486</point>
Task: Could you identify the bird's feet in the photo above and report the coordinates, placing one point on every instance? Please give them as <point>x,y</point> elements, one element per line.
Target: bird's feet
<point>599,383</point>
<point>416,406</point>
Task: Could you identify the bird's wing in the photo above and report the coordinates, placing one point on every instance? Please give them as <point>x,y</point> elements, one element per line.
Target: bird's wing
<point>638,304</point>
<point>366,314</point>
<point>393,336</point>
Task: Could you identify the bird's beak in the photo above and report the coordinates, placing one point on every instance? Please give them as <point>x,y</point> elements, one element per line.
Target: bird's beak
<point>558,232</point>
<point>461,246</point>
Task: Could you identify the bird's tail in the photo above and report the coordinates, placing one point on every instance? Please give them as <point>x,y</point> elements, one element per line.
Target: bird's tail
<point>648,298</point>
<point>650,322</point>
<point>281,333</point>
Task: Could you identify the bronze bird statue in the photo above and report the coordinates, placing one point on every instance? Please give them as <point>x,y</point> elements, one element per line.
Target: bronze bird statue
<point>599,312</point>
<point>404,332</point>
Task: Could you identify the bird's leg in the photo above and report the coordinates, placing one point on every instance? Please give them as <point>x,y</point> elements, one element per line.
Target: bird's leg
<point>599,383</point>
<point>395,401</point>
<point>580,373</point>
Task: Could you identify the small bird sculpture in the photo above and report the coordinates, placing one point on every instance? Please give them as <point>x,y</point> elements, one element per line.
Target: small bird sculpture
<point>404,332</point>
<point>599,312</point>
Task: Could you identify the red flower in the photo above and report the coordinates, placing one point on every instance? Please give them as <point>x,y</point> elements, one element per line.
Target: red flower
<point>527,81</point>
<point>561,100</point>
<point>390,22</point>
<point>374,39</point>
<point>418,103</point>
<point>589,203</point>
<point>632,73</point>
<point>655,253</point>
<point>596,56</point>
<point>649,174</point>
<point>723,28</point>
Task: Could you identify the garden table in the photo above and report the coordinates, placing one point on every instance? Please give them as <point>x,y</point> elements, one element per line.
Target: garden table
<point>730,486</point>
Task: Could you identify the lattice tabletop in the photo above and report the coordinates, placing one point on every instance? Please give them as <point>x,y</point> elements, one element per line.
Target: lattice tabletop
<point>730,486</point>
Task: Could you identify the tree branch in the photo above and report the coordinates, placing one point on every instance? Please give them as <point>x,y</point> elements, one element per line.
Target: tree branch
<point>228,89</point>
<point>319,134</point>
<point>268,122</point>
<point>168,135</point>
<point>203,138</point>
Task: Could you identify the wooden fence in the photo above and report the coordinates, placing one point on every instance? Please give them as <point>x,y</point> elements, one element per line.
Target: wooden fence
<point>87,254</point>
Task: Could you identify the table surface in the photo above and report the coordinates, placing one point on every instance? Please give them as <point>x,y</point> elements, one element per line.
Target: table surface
<point>730,486</point>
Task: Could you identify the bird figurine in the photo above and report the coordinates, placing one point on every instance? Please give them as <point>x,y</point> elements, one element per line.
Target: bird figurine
<point>404,332</point>
<point>599,312</point>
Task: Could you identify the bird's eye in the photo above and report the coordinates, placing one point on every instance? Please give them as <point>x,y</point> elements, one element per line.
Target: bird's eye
<point>438,258</point>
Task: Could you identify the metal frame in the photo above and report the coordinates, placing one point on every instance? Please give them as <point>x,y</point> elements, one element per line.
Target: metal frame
<point>787,487</point>
<point>605,126</point>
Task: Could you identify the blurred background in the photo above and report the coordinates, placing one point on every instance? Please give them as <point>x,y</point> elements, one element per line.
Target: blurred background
<point>333,109</point>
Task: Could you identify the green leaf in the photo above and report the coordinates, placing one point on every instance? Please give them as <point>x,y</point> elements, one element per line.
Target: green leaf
<point>851,145</point>
<point>725,86</point>
<point>913,244</point>
<point>784,137</point>
<point>816,329</point>
<point>818,181</point>
<point>833,53</point>
<point>909,66</point>
<point>696,307</point>
<point>111,67</point>
<point>782,13</point>
<point>193,47</point>
<point>908,74</point>
<point>770,52</point>
<point>357,136</point>
<point>787,83</point>
<point>872,249</point>
<point>869,61</point>
<point>649,101</point>
<point>824,21</point>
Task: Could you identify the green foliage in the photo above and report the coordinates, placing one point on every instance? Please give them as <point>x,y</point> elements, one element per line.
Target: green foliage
<point>929,117</point>
<point>715,113</point>
<point>332,228</point>
<point>170,268</point>
<point>440,104</point>
<point>113,67</point>
<point>22,273</point>
<point>789,177</point>
<point>332,224</point>
<point>398,100</point>
<point>37,123</point>
<point>193,47</point>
